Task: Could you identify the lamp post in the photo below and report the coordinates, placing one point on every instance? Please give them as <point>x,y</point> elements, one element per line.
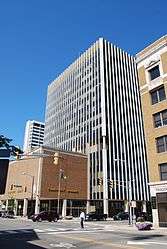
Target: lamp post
<point>61,176</point>
<point>129,193</point>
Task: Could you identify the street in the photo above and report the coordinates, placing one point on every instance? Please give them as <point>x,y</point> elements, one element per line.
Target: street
<point>22,233</point>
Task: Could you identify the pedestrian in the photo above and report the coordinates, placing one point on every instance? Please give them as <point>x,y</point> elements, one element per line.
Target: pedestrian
<point>82,218</point>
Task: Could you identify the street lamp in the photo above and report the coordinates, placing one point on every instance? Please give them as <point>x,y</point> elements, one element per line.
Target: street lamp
<point>61,176</point>
<point>32,187</point>
<point>129,193</point>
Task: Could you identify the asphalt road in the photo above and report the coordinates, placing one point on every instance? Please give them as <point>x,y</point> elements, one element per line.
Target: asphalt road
<point>25,234</point>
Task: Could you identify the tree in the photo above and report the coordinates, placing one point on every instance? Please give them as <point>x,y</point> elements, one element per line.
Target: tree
<point>5,143</point>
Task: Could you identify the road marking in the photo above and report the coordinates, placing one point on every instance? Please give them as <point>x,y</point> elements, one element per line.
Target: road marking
<point>40,243</point>
<point>50,230</point>
<point>145,242</point>
<point>66,245</point>
<point>39,230</point>
<point>59,231</point>
<point>90,240</point>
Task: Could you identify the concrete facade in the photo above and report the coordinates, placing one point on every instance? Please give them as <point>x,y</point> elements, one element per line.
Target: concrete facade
<point>94,107</point>
<point>34,135</point>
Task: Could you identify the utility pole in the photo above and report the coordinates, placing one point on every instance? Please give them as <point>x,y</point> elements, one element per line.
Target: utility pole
<point>61,176</point>
<point>59,187</point>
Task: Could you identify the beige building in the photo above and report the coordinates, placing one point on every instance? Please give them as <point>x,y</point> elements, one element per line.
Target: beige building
<point>152,71</point>
<point>35,183</point>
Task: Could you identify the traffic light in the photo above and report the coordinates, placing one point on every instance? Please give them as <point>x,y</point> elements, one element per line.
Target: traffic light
<point>62,176</point>
<point>110,183</point>
<point>56,158</point>
<point>100,181</point>
<point>16,151</point>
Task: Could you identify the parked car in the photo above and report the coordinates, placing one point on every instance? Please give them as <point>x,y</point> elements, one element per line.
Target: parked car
<point>121,216</point>
<point>44,215</point>
<point>95,216</point>
<point>144,216</point>
<point>7,214</point>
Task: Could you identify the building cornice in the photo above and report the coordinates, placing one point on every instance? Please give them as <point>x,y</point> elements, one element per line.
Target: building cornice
<point>151,49</point>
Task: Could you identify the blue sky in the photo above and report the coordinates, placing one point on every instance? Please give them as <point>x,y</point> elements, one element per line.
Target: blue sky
<point>40,38</point>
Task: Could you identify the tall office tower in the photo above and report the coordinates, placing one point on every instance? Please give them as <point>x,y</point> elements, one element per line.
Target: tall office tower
<point>34,135</point>
<point>152,70</point>
<point>94,107</point>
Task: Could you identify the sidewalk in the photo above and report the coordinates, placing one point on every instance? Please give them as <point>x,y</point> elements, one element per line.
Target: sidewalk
<point>132,228</point>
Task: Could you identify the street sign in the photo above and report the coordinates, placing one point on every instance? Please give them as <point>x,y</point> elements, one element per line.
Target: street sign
<point>133,204</point>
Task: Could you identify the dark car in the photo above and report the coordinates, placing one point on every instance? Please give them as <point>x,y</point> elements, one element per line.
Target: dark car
<point>144,216</point>
<point>44,215</point>
<point>95,216</point>
<point>121,216</point>
<point>7,214</point>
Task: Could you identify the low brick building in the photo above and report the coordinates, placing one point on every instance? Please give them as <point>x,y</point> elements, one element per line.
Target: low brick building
<point>35,183</point>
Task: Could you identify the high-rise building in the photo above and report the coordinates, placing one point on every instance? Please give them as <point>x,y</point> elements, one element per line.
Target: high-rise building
<point>34,135</point>
<point>94,107</point>
<point>152,70</point>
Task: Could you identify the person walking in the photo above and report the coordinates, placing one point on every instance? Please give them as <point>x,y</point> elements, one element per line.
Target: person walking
<point>82,218</point>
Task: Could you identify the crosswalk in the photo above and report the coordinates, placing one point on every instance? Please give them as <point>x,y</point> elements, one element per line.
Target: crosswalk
<point>50,231</point>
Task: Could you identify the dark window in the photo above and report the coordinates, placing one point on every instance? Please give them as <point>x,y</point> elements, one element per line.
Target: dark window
<point>161,143</point>
<point>154,97</point>
<point>161,93</point>
<point>164,117</point>
<point>158,95</point>
<point>163,171</point>
<point>161,197</point>
<point>160,119</point>
<point>157,120</point>
<point>154,72</point>
<point>36,124</point>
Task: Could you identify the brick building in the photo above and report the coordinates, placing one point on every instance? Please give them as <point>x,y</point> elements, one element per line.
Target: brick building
<point>35,183</point>
<point>152,71</point>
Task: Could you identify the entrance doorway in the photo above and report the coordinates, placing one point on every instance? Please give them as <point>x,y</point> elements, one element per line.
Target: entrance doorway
<point>162,209</point>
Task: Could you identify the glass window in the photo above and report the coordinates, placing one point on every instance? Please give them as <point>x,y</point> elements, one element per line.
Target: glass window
<point>160,144</point>
<point>158,95</point>
<point>154,97</point>
<point>163,171</point>
<point>154,72</point>
<point>160,119</point>
<point>157,120</point>
<point>164,117</point>
<point>161,93</point>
